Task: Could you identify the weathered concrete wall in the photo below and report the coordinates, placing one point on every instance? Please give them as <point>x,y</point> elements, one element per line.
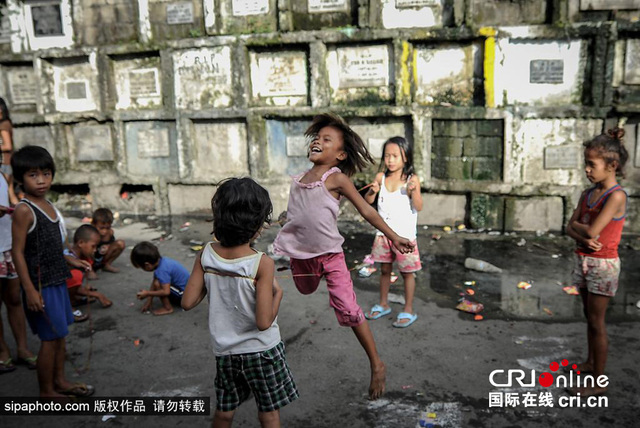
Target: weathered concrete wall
<point>151,102</point>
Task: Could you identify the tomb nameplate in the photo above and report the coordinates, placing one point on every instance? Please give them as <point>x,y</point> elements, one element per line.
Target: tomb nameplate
<point>562,157</point>
<point>632,62</point>
<point>153,143</point>
<point>363,67</point>
<point>180,13</point>
<point>249,7</point>
<point>23,86</point>
<point>546,71</point>
<point>76,90</point>
<point>93,143</point>
<point>402,4</point>
<point>143,83</point>
<point>282,75</point>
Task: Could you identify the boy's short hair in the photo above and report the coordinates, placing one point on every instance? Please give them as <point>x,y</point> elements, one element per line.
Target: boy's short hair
<point>358,156</point>
<point>240,208</point>
<point>144,252</point>
<point>84,233</point>
<point>103,215</point>
<point>31,157</point>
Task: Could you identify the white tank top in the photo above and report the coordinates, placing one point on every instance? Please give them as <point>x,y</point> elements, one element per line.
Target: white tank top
<point>232,305</point>
<point>396,210</point>
<point>5,220</point>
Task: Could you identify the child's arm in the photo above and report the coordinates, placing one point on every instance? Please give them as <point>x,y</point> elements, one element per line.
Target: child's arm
<point>22,221</point>
<point>165,291</point>
<point>77,263</point>
<point>614,205</point>
<point>195,290</point>
<point>340,183</point>
<point>268,294</point>
<point>591,244</point>
<point>370,196</point>
<point>413,190</point>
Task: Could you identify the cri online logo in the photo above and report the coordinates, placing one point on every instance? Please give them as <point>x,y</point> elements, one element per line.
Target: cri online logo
<point>546,379</point>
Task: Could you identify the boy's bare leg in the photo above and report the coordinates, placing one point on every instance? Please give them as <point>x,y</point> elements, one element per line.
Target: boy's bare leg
<point>101,297</point>
<point>378,369</point>
<point>15,313</point>
<point>166,309</point>
<point>115,249</point>
<point>222,419</point>
<point>269,419</point>
<point>4,348</point>
<point>385,285</point>
<point>409,291</point>
<point>46,367</point>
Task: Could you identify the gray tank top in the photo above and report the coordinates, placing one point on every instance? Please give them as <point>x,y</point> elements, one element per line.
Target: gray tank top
<point>232,305</point>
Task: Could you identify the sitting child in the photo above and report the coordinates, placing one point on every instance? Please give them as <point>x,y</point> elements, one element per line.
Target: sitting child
<point>80,260</point>
<point>109,248</point>
<point>169,277</point>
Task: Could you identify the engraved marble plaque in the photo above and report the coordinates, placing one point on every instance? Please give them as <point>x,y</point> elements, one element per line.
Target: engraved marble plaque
<point>319,6</point>
<point>362,67</point>
<point>76,90</point>
<point>297,145</point>
<point>23,86</point>
<point>203,77</point>
<point>180,13</point>
<point>93,143</point>
<point>249,7</point>
<point>609,4</point>
<point>279,74</point>
<point>562,157</point>
<point>144,83</point>
<point>546,71</point>
<point>153,143</point>
<point>47,20</point>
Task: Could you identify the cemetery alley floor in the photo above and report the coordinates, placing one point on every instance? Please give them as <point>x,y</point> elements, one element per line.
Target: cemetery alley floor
<point>441,363</point>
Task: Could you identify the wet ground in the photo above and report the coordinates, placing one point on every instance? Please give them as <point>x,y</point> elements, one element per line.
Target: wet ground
<point>440,364</point>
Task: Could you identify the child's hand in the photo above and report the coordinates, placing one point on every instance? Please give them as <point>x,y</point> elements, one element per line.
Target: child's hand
<point>593,244</point>
<point>3,210</point>
<point>375,187</point>
<point>34,301</point>
<point>142,294</point>
<point>412,185</point>
<point>403,245</point>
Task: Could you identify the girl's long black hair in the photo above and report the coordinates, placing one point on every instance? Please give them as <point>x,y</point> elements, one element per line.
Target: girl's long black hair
<point>406,149</point>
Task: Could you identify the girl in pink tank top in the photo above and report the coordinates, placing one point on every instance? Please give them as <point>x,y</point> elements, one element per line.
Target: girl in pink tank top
<point>596,225</point>
<point>311,237</point>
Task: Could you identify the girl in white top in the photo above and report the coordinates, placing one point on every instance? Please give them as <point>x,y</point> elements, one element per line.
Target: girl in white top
<point>244,300</point>
<point>399,200</point>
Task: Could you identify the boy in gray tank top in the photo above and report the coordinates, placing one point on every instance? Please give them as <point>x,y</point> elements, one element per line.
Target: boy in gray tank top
<point>244,300</point>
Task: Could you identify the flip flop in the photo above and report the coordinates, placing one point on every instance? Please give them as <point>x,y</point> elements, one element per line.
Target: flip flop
<point>29,362</point>
<point>78,316</point>
<point>78,389</point>
<point>405,316</point>
<point>7,366</point>
<point>380,310</point>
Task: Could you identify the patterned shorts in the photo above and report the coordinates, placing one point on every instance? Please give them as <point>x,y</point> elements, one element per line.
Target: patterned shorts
<point>7,268</point>
<point>598,276</point>
<point>383,251</point>
<point>266,374</point>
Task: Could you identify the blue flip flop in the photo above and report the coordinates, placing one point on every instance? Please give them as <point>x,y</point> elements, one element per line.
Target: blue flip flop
<point>405,316</point>
<point>380,310</point>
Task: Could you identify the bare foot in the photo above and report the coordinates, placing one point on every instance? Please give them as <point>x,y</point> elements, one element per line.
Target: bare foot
<point>109,268</point>
<point>378,380</point>
<point>162,311</point>
<point>106,303</point>
<point>91,275</point>
<point>587,391</point>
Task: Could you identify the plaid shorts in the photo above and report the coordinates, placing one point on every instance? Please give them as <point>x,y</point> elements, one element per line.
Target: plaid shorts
<point>266,374</point>
<point>598,276</point>
<point>7,268</point>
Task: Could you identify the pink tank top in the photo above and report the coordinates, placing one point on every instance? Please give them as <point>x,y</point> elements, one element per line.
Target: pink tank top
<point>312,221</point>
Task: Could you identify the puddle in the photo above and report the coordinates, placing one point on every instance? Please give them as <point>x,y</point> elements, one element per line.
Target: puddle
<point>442,279</point>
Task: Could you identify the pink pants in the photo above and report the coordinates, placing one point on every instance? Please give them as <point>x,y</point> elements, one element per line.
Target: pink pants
<point>333,267</point>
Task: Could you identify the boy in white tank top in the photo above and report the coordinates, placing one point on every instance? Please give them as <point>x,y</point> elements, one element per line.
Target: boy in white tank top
<point>244,300</point>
